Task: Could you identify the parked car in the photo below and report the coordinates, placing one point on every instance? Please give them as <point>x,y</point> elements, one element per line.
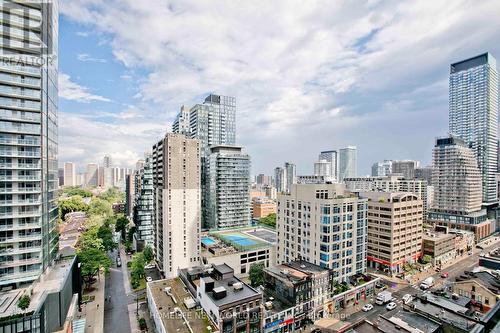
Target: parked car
<point>118,262</point>
<point>444,275</point>
<point>391,306</point>
<point>367,307</point>
<point>149,279</point>
<point>407,299</point>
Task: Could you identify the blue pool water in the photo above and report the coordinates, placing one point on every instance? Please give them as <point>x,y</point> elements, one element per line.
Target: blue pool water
<point>207,241</point>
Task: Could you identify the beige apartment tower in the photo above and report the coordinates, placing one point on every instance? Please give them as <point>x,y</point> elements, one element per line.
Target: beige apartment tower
<point>394,230</point>
<point>177,203</point>
<point>323,224</point>
<point>69,174</point>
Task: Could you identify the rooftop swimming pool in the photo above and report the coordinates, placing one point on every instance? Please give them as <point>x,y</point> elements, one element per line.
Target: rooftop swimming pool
<point>207,241</point>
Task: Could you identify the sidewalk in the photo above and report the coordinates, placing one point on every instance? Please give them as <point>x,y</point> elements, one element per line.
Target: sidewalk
<point>93,312</point>
<point>134,325</point>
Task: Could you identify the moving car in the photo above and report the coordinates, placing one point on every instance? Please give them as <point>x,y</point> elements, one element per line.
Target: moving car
<point>391,306</point>
<point>407,299</point>
<point>118,262</point>
<point>427,283</point>
<point>367,307</point>
<point>444,275</point>
<point>149,279</point>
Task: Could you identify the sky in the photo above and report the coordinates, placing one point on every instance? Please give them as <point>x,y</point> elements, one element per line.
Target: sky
<point>307,75</point>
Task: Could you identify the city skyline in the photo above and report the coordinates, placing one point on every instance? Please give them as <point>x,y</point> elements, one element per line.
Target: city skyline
<point>96,68</point>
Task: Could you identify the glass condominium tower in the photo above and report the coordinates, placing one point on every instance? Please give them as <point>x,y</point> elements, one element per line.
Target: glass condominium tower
<point>474,114</point>
<point>28,139</point>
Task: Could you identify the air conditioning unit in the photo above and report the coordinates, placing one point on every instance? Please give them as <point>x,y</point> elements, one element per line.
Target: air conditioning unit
<point>238,286</point>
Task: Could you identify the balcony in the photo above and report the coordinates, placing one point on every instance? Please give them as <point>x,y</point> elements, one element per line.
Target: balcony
<point>20,69</point>
<point>20,178</point>
<point>32,82</point>
<point>20,202</point>
<point>20,104</point>
<point>13,215</point>
<point>19,93</point>
<point>20,262</point>
<point>11,190</point>
<point>22,166</point>
<point>10,153</point>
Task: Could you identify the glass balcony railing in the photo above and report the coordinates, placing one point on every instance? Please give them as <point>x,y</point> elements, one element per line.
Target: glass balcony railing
<point>20,68</point>
<point>19,153</point>
<point>20,92</point>
<point>17,103</point>
<point>14,141</point>
<point>17,79</point>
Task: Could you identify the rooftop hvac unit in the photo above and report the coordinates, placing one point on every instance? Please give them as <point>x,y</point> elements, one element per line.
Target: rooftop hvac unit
<point>238,286</point>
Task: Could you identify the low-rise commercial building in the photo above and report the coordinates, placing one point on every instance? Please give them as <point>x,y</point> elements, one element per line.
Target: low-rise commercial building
<point>263,207</point>
<point>239,248</point>
<point>440,246</point>
<point>232,305</point>
<point>394,229</point>
<point>482,287</point>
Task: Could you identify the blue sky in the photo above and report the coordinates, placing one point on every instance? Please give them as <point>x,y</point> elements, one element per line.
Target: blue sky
<point>307,76</point>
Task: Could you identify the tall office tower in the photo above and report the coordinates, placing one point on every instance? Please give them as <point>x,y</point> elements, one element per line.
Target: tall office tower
<point>176,205</point>
<point>280,179</point>
<point>394,229</point>
<point>80,179</point>
<point>107,175</point>
<point>332,157</point>
<point>181,122</point>
<point>213,123</point>
<point>456,178</point>
<point>393,183</point>
<point>28,140</point>
<point>100,176</point>
<point>322,168</point>
<point>92,175</point>
<point>262,179</point>
<point>424,173</point>
<point>380,169</point>
<point>60,176</point>
<point>129,194</point>
<point>406,168</point>
<point>323,224</point>
<point>107,161</point>
<point>474,114</point>
<point>348,162</point>
<point>228,199</point>
<point>69,174</point>
<point>144,200</point>
<point>291,175</point>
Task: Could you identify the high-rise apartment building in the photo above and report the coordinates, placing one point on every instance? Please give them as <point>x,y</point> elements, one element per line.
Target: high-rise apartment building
<point>291,175</point>
<point>69,174</point>
<point>262,179</point>
<point>181,122</point>
<point>144,200</point>
<point>348,162</point>
<point>92,175</point>
<point>424,173</point>
<point>177,203</point>
<point>28,140</point>
<point>228,197</point>
<point>280,179</point>
<point>381,169</point>
<point>332,157</point>
<point>213,123</point>
<point>394,183</point>
<point>107,161</point>
<point>456,178</point>
<point>323,224</point>
<point>406,168</point>
<point>394,230</point>
<point>473,93</point>
<point>322,168</point>
<point>129,194</point>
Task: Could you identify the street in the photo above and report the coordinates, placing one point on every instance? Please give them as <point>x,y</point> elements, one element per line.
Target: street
<point>116,316</point>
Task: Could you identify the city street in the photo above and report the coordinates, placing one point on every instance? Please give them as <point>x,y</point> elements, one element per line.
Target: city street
<point>116,316</point>
<point>400,289</point>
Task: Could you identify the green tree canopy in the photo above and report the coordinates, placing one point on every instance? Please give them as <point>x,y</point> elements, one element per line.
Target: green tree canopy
<point>137,268</point>
<point>112,195</point>
<point>73,204</point>
<point>148,253</point>
<point>121,225</point>
<point>256,274</point>
<point>100,207</point>
<point>92,261</point>
<point>106,235</point>
<point>75,190</point>
<point>269,220</point>
<point>90,239</point>
<point>24,302</point>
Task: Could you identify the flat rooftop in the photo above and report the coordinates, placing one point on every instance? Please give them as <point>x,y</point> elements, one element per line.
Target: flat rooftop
<point>50,281</point>
<point>225,242</point>
<point>232,295</point>
<point>172,321</point>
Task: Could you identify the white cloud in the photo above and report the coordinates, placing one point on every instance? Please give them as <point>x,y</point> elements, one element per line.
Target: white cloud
<point>307,75</point>
<point>72,91</point>
<point>82,34</point>
<point>85,57</point>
